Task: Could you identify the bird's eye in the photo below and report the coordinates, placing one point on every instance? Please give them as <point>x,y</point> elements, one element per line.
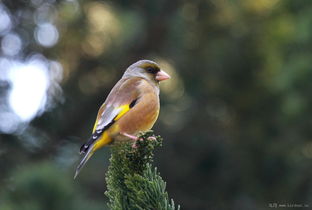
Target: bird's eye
<point>152,70</point>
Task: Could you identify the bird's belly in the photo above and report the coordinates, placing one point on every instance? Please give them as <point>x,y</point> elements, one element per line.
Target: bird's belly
<point>141,123</point>
<point>141,119</point>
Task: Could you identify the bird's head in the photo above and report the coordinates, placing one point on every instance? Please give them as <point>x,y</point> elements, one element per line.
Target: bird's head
<point>148,70</point>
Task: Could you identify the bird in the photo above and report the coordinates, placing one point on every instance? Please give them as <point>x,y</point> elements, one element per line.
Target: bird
<point>131,106</point>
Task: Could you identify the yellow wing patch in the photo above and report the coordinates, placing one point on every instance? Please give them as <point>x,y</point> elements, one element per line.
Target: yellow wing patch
<point>95,125</point>
<point>123,110</point>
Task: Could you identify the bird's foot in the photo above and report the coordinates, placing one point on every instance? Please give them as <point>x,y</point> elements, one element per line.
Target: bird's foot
<point>151,138</point>
<point>134,138</point>
<point>134,145</point>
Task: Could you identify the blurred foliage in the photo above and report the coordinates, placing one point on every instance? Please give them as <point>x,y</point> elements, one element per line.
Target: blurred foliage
<point>235,117</point>
<point>44,186</point>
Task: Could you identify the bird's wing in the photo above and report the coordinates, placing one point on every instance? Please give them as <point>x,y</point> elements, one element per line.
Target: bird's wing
<point>120,100</point>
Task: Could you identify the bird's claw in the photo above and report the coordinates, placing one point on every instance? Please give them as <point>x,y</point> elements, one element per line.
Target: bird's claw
<point>134,145</point>
<point>151,138</point>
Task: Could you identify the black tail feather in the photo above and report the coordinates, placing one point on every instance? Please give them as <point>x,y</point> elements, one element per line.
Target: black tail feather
<point>84,148</point>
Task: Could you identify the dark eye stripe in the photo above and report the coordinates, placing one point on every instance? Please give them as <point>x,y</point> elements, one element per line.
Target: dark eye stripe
<point>152,70</point>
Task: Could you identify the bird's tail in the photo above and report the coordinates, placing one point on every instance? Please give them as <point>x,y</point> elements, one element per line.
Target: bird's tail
<point>90,147</point>
<point>84,160</point>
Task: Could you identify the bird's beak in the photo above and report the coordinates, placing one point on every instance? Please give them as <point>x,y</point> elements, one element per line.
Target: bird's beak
<point>161,75</point>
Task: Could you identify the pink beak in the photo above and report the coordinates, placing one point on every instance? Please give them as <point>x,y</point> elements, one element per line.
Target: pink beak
<point>161,75</point>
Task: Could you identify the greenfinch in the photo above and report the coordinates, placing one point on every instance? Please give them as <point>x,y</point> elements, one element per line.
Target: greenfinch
<point>131,106</point>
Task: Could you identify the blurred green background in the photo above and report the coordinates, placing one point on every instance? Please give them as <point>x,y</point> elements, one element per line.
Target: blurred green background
<point>236,115</point>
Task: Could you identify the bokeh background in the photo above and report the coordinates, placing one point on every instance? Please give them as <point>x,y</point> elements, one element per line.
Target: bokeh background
<point>236,115</point>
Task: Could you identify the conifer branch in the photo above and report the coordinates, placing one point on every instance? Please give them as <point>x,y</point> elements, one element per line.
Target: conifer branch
<point>132,182</point>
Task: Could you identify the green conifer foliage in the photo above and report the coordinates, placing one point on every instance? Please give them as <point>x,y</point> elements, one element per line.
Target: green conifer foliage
<point>132,182</point>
